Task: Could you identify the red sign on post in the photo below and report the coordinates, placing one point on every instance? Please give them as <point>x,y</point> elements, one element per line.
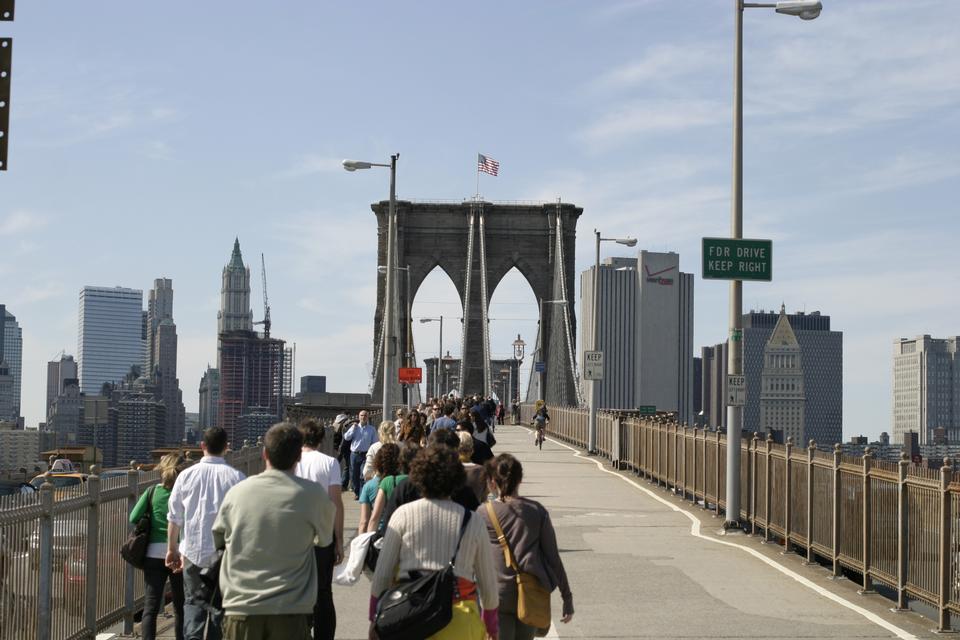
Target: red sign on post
<point>411,375</point>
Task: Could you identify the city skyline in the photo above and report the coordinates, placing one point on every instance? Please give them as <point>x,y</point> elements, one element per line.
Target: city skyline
<point>856,188</point>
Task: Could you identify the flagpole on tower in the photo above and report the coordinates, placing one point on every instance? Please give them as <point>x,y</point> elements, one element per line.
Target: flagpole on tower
<point>477,196</point>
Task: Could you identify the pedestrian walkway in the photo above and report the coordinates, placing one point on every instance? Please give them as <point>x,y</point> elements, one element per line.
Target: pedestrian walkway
<point>637,570</point>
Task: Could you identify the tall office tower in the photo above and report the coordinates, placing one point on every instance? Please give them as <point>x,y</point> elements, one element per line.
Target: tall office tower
<point>288,363</point>
<point>251,376</point>
<point>6,395</point>
<point>235,313</point>
<point>209,397</point>
<point>110,341</point>
<point>66,414</point>
<point>713,400</point>
<point>159,308</point>
<point>646,333</point>
<point>926,388</point>
<point>782,399</point>
<point>618,291</point>
<point>96,430</point>
<point>11,352</point>
<point>822,358</point>
<point>64,368</point>
<point>138,418</point>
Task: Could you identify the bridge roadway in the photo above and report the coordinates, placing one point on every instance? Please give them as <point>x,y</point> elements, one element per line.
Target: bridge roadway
<point>643,563</point>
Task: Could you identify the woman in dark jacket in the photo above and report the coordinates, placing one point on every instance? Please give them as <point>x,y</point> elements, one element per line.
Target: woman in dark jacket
<point>532,541</point>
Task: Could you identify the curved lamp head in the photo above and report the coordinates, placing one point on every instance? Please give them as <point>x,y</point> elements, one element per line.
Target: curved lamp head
<point>353,165</point>
<point>803,9</point>
<point>630,242</point>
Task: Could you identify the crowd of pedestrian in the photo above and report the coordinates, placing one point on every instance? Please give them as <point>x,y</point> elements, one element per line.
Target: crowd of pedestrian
<point>253,558</point>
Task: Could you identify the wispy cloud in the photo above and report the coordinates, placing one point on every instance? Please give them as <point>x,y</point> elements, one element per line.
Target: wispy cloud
<point>20,222</point>
<point>660,64</point>
<point>311,164</point>
<point>652,117</point>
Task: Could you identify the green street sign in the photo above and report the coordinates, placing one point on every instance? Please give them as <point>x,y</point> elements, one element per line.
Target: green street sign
<point>729,259</point>
<point>647,410</point>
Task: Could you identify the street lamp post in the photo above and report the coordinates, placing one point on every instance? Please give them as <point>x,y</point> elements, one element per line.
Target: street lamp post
<point>806,10</point>
<point>407,354</point>
<point>518,348</point>
<point>389,342</point>
<point>439,354</point>
<point>595,342</point>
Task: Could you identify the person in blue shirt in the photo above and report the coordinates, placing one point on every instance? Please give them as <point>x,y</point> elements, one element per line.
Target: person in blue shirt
<point>447,421</point>
<point>360,436</point>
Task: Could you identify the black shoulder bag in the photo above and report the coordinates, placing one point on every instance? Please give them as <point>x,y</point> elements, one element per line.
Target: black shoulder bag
<point>134,550</point>
<point>421,607</point>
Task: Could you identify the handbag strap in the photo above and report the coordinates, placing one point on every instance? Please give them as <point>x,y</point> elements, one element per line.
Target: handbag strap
<point>463,529</point>
<point>502,539</point>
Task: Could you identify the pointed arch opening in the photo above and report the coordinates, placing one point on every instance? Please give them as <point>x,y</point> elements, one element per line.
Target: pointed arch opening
<point>437,297</point>
<point>514,310</point>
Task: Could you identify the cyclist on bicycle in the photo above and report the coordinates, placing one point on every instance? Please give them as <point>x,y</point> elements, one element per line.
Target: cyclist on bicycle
<point>540,420</point>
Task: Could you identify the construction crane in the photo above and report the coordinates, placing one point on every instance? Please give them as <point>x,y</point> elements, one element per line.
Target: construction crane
<point>266,304</point>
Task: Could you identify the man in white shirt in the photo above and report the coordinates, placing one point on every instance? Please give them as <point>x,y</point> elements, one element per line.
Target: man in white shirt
<point>325,471</point>
<point>192,509</point>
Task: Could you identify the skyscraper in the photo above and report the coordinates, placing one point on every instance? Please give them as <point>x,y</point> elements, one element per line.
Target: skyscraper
<point>926,387</point>
<point>64,368</point>
<point>646,333</point>
<point>11,353</point>
<point>162,358</point>
<point>110,341</point>
<point>235,312</point>
<point>209,397</point>
<point>821,352</point>
<point>782,399</point>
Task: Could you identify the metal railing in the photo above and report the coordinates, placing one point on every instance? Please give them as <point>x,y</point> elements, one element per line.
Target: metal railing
<point>61,574</point>
<point>891,523</point>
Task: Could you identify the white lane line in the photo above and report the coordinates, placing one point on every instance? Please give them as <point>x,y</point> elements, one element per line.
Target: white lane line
<point>695,530</point>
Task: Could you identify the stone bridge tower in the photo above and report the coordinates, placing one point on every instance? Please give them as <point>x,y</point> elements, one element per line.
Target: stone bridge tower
<point>476,244</point>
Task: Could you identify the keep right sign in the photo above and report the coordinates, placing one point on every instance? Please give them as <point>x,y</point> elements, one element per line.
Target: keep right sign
<point>737,259</point>
<point>736,391</point>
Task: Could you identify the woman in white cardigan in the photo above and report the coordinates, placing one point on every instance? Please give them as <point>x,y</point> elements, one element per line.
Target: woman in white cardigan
<point>422,536</point>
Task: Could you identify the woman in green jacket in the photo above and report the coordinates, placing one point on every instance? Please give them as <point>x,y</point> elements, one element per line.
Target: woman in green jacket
<point>155,572</point>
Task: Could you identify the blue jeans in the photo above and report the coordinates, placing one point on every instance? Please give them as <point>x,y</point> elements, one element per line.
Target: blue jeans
<point>202,608</point>
<point>357,458</point>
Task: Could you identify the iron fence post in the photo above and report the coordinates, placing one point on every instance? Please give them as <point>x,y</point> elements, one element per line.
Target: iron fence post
<point>736,516</point>
<point>92,559</point>
<point>835,552</point>
<point>695,457</point>
<point>811,450</point>
<point>45,586</point>
<point>902,467</point>
<point>753,484</point>
<point>703,464</point>
<point>766,488</point>
<point>787,492</point>
<point>129,598</point>
<point>683,466</point>
<point>946,476</point>
<point>677,430</point>
<point>867,581</point>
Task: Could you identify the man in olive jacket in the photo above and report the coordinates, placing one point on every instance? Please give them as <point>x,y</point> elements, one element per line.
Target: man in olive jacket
<point>267,526</point>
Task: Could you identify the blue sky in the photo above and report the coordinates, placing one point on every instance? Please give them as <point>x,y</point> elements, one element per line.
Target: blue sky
<point>145,136</point>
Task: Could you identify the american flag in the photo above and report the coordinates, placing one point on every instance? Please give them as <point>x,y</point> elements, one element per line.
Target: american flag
<point>487,165</point>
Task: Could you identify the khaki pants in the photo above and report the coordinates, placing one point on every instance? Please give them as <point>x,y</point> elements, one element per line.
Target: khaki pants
<point>282,627</point>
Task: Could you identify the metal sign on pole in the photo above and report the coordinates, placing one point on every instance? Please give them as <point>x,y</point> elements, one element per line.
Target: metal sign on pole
<point>593,365</point>
<point>737,259</point>
<point>540,367</point>
<point>736,390</point>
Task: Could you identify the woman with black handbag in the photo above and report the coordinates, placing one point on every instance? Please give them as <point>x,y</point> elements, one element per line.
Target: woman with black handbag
<point>528,560</point>
<point>153,505</point>
<point>436,543</point>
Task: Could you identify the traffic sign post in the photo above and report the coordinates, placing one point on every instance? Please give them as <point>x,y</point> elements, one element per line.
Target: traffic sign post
<point>737,259</point>
<point>593,365</point>
<point>736,390</point>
